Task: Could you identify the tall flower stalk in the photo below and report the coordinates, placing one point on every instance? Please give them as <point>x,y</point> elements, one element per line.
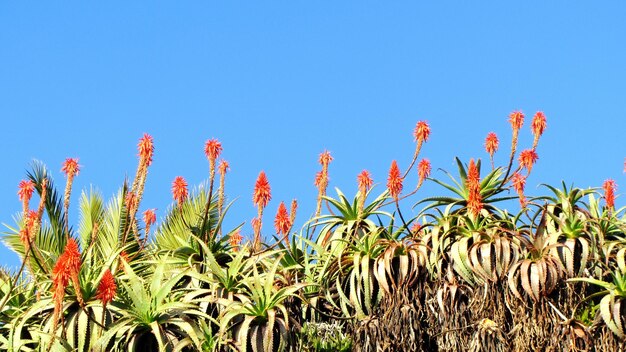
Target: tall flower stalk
<point>235,240</point>
<point>609,187</point>
<point>516,119</point>
<point>149,218</point>
<point>65,270</point>
<point>223,169</point>
<point>261,196</point>
<point>179,191</point>
<point>321,179</point>
<point>71,169</point>
<point>538,127</point>
<point>421,135</point>
<point>423,171</point>
<point>282,222</point>
<point>527,158</point>
<point>365,182</point>
<point>107,289</point>
<point>145,149</point>
<point>212,150</point>
<point>491,146</point>
<point>394,181</point>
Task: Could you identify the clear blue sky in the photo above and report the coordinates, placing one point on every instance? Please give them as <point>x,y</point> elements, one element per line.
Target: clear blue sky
<point>279,82</point>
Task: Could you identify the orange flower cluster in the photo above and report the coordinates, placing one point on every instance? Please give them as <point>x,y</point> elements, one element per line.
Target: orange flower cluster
<point>365,182</point>
<point>421,132</point>
<point>25,193</point>
<point>66,268</point>
<point>516,118</point>
<point>321,179</point>
<point>474,200</point>
<point>609,188</point>
<point>212,149</point>
<point>261,197</point>
<point>394,181</point>
<point>179,190</point>
<point>491,145</point>
<point>282,221</point>
<point>146,150</point>
<point>423,171</point>
<point>421,135</point>
<point>538,126</point>
<point>325,158</point>
<point>527,159</point>
<point>235,239</point>
<point>149,218</point>
<point>107,288</point>
<point>70,167</point>
<point>262,191</point>
<point>224,167</point>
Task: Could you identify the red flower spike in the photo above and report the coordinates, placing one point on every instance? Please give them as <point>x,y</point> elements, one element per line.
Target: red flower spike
<point>364,181</point>
<point>394,181</point>
<point>72,256</point>
<point>25,190</point>
<point>519,182</point>
<point>538,124</point>
<point>282,222</point>
<point>224,167</point>
<point>146,149</point>
<point>179,190</point>
<point>491,143</point>
<point>149,217</point>
<point>609,188</point>
<point>325,158</point>
<point>421,132</point>
<point>262,191</point>
<point>474,201</point>
<point>516,118</point>
<point>235,239</point>
<point>527,159</point>
<point>423,170</point>
<point>212,149</point>
<point>107,288</point>
<point>70,167</point>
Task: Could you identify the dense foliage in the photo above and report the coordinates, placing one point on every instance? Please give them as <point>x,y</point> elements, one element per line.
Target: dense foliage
<point>463,275</point>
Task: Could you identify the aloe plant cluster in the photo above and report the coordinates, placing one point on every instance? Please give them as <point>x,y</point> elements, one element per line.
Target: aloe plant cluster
<point>460,274</point>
